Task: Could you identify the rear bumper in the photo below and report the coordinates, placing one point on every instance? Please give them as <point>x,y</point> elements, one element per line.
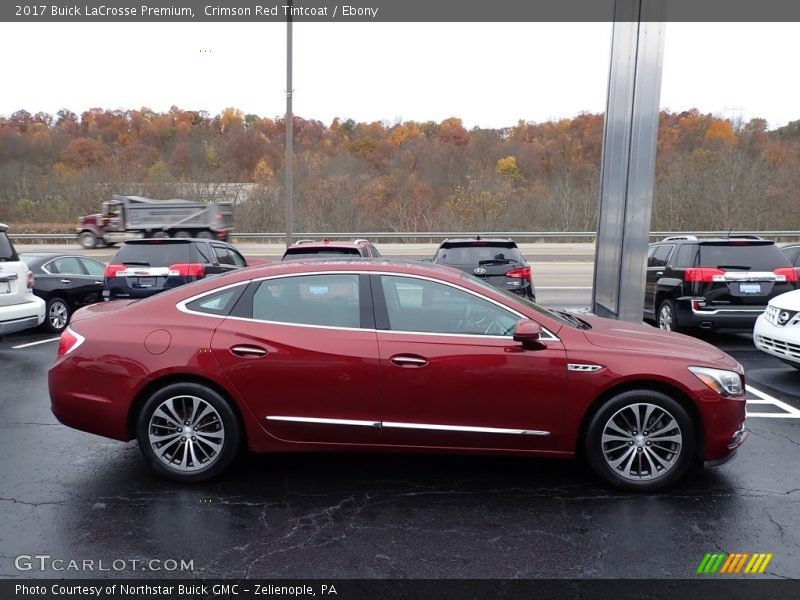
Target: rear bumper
<point>720,318</point>
<point>19,317</point>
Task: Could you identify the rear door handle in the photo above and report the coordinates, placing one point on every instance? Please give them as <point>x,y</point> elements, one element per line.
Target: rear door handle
<point>659,273</point>
<point>407,360</point>
<point>249,351</point>
<point>65,281</point>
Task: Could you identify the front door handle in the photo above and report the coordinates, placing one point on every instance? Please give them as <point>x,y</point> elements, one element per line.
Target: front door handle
<point>408,360</point>
<point>248,351</point>
<point>65,281</point>
<point>659,273</point>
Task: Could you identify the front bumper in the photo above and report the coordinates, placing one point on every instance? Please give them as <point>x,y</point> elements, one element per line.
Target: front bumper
<point>19,317</point>
<point>780,342</point>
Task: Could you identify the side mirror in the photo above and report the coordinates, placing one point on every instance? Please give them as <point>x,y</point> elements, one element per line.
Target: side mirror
<point>527,333</point>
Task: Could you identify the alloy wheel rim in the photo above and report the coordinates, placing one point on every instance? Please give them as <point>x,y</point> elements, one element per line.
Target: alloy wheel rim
<point>641,442</point>
<point>186,433</point>
<point>58,315</point>
<point>665,318</point>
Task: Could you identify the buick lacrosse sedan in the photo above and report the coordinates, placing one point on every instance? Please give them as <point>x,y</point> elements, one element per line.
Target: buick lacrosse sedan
<point>367,355</point>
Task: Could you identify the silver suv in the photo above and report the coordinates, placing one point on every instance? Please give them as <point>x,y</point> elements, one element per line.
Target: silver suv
<point>19,308</point>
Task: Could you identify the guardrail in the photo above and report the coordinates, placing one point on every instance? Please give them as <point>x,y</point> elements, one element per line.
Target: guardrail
<point>437,236</point>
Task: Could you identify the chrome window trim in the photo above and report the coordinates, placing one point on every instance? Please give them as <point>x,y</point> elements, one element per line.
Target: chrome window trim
<point>52,260</point>
<point>181,306</point>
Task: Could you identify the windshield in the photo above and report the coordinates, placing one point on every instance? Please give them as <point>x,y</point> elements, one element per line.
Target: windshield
<point>746,257</point>
<point>524,302</point>
<point>473,253</point>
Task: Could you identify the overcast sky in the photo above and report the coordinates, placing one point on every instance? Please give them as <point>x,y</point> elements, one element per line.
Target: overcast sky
<point>488,74</point>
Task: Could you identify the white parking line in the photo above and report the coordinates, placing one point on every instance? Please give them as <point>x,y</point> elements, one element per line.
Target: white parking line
<point>34,343</point>
<point>790,412</point>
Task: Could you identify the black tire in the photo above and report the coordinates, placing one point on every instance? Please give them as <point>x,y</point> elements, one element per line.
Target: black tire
<point>666,317</point>
<point>190,457</point>
<point>87,240</point>
<point>159,234</point>
<point>57,315</point>
<point>204,235</point>
<point>182,234</point>
<point>648,462</point>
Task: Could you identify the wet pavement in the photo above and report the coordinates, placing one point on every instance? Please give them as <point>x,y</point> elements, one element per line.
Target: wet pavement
<point>75,496</point>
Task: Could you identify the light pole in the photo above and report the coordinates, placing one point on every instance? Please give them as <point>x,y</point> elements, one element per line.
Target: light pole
<point>289,134</point>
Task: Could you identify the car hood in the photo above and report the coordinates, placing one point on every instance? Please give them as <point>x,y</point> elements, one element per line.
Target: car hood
<point>787,301</point>
<point>639,338</point>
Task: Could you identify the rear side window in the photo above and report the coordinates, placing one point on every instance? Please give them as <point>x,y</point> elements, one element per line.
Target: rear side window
<point>7,252</point>
<point>155,254</point>
<point>686,256</point>
<point>473,253</point>
<point>218,303</point>
<point>744,256</point>
<point>660,256</point>
<point>326,300</point>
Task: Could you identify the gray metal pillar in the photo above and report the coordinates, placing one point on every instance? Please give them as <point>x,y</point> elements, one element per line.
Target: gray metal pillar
<point>289,122</point>
<point>628,163</point>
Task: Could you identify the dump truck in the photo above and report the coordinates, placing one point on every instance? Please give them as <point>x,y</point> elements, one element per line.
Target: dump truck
<point>132,217</point>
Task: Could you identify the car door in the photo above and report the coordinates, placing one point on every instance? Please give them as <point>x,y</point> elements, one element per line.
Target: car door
<point>96,271</point>
<point>657,257</point>
<point>302,352</point>
<point>452,376</point>
<point>66,278</point>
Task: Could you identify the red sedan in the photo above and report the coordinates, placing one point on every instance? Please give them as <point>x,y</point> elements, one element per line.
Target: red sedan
<point>367,355</point>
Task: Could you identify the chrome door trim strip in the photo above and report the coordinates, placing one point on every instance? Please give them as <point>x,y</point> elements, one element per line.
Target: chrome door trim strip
<point>325,421</point>
<point>463,428</point>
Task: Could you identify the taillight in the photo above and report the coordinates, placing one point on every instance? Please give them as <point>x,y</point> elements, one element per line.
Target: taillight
<point>786,274</point>
<point>113,270</point>
<point>705,275</point>
<point>523,273</point>
<point>30,280</point>
<point>186,270</point>
<point>68,341</point>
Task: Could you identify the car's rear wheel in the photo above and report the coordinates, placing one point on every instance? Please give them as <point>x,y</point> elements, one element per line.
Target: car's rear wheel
<point>205,235</point>
<point>57,315</point>
<point>160,234</point>
<point>640,440</point>
<point>666,319</point>
<point>188,432</point>
<point>182,234</point>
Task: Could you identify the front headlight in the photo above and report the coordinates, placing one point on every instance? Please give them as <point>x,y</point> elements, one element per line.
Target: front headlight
<point>725,383</point>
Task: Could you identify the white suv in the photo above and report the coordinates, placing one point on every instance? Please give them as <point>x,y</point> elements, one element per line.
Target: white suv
<point>19,308</point>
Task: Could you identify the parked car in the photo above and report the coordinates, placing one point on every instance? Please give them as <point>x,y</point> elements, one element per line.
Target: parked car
<point>142,268</point>
<point>777,330</point>
<point>793,254</point>
<point>20,309</point>
<point>65,282</point>
<point>713,283</point>
<point>498,261</point>
<point>379,355</point>
<point>325,248</point>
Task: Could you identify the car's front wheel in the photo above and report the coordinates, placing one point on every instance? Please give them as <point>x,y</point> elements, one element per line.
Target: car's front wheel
<point>188,432</point>
<point>640,440</point>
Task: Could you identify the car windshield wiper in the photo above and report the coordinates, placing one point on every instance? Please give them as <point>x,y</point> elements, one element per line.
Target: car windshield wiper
<point>495,261</point>
<point>579,323</point>
<point>133,262</point>
<point>740,267</point>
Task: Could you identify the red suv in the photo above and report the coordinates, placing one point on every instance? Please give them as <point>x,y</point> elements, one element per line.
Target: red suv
<point>361,355</point>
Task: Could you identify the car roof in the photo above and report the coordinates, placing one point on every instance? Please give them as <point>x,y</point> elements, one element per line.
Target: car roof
<point>739,241</point>
<point>327,244</point>
<point>3,227</point>
<point>478,240</point>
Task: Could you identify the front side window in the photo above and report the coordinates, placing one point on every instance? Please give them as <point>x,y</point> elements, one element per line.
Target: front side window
<point>431,307</point>
<point>322,300</point>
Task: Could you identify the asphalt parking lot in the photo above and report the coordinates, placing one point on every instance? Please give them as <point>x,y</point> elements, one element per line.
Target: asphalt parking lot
<point>75,496</point>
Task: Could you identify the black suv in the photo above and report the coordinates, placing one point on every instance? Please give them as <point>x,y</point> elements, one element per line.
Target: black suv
<point>714,283</point>
<point>143,268</point>
<point>497,261</point>
<point>325,248</point>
